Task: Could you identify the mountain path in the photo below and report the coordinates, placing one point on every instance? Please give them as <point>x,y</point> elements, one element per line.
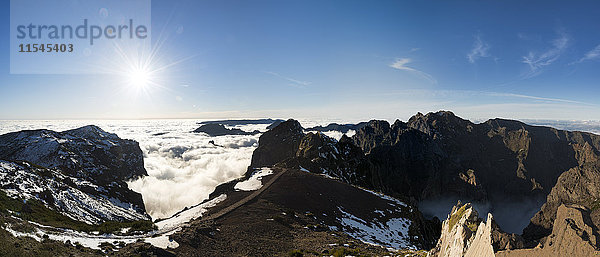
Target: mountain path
<point>210,218</point>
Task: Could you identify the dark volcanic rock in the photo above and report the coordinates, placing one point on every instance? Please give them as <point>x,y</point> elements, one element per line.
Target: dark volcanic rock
<point>274,124</point>
<point>344,128</point>
<point>241,122</point>
<point>277,144</point>
<point>501,164</point>
<point>214,130</point>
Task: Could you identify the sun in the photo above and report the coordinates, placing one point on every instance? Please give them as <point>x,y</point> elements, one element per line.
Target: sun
<point>140,78</point>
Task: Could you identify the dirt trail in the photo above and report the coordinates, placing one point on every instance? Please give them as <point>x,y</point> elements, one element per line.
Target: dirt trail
<point>245,200</point>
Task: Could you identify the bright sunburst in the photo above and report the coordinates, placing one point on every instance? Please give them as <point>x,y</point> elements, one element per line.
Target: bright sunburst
<point>139,78</point>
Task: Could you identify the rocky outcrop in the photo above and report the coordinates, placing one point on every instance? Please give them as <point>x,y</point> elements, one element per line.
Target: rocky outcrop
<point>579,185</point>
<point>573,234</point>
<point>464,234</point>
<point>482,241</point>
<point>215,130</point>
<point>277,144</point>
<point>101,161</point>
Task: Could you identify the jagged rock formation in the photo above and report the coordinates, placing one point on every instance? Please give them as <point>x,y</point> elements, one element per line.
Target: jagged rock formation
<point>277,144</point>
<point>500,163</point>
<point>573,234</point>
<point>483,161</point>
<point>87,160</point>
<point>579,185</point>
<point>464,234</point>
<point>482,241</point>
<point>215,130</point>
<point>506,164</point>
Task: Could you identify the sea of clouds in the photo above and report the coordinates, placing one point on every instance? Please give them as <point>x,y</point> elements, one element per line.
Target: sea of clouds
<point>184,167</point>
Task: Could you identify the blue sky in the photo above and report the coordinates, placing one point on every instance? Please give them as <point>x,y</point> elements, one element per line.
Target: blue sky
<point>348,60</point>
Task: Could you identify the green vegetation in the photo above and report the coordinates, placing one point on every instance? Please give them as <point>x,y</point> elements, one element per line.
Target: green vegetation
<point>34,210</point>
<point>26,246</point>
<point>456,216</point>
<point>472,226</point>
<point>342,252</point>
<point>296,253</point>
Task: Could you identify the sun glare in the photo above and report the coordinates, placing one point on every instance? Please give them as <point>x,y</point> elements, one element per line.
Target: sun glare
<point>139,78</point>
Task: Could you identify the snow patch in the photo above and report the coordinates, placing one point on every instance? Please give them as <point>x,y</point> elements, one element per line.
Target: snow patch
<point>254,182</point>
<point>392,233</point>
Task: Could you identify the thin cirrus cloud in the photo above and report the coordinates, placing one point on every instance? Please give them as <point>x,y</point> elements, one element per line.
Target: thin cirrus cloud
<point>295,82</point>
<point>480,50</point>
<point>400,64</point>
<point>593,54</point>
<point>537,62</point>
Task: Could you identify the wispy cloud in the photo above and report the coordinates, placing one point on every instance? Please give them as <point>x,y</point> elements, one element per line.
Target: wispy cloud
<point>480,50</point>
<point>593,54</point>
<point>295,82</point>
<point>537,62</point>
<point>546,99</point>
<point>400,64</point>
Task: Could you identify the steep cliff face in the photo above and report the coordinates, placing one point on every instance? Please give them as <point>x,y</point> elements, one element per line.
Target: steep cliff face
<point>499,163</point>
<point>527,159</point>
<point>579,185</point>
<point>573,234</point>
<point>277,144</point>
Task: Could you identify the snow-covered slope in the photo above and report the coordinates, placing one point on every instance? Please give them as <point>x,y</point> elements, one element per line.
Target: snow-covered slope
<point>64,194</point>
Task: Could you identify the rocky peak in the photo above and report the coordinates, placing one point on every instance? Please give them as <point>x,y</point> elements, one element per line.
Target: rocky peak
<point>458,232</point>
<point>465,234</point>
<point>88,153</point>
<point>441,123</point>
<point>375,133</point>
<point>315,144</point>
<point>91,132</point>
<point>277,144</point>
